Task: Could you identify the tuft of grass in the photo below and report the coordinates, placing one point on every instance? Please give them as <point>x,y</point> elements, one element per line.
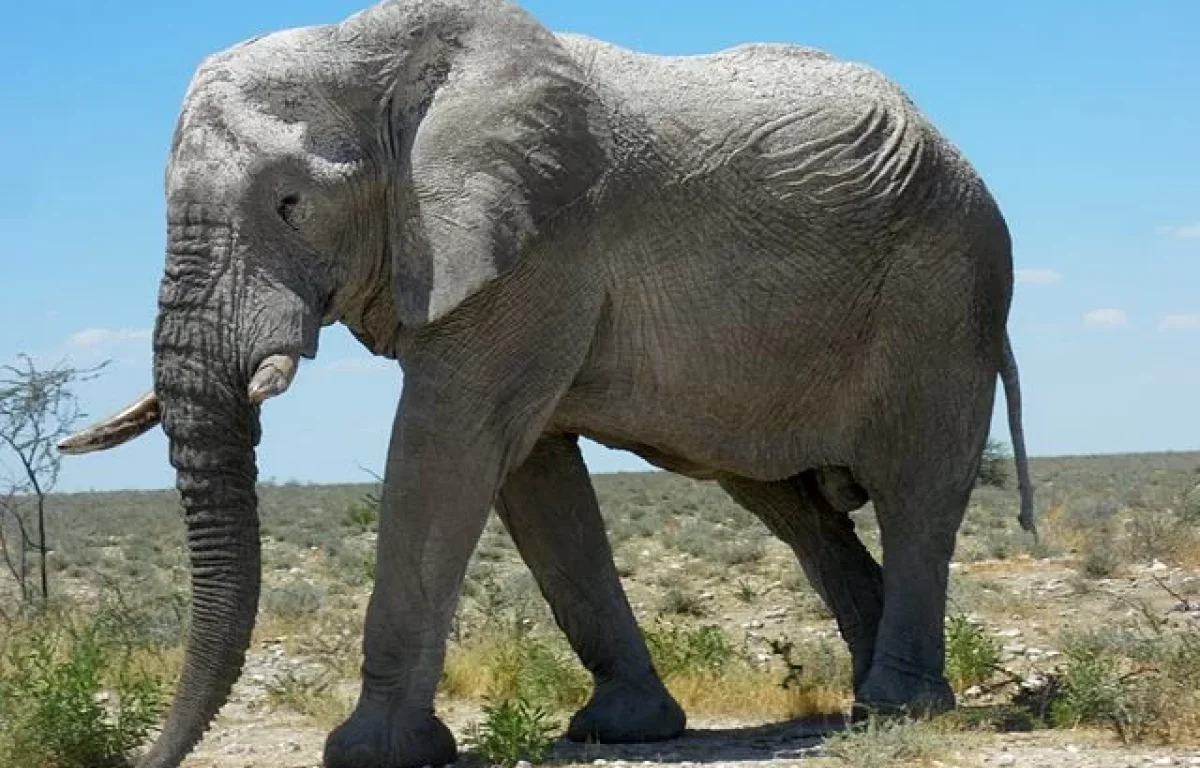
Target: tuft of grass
<point>887,742</point>
<point>746,592</point>
<point>314,696</point>
<point>679,602</point>
<point>296,601</point>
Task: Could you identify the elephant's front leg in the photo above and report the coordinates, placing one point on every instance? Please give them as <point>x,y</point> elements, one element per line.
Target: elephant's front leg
<point>439,484</point>
<point>550,510</point>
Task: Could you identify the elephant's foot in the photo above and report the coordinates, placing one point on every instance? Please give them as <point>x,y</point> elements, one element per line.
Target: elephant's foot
<point>621,712</point>
<point>891,690</point>
<point>381,736</point>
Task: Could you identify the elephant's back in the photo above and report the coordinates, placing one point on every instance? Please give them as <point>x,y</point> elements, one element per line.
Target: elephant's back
<point>830,140</point>
<point>706,101</point>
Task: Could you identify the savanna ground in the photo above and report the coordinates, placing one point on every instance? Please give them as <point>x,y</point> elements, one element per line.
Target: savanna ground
<point>1079,649</point>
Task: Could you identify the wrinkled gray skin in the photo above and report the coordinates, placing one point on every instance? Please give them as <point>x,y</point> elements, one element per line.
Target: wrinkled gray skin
<point>761,266</point>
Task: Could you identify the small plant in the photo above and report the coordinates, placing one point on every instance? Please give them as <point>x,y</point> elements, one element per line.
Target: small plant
<point>742,552</point>
<point>513,730</point>
<point>1091,688</point>
<point>972,655</point>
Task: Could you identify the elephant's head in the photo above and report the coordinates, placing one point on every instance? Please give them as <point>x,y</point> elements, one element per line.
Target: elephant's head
<point>377,172</point>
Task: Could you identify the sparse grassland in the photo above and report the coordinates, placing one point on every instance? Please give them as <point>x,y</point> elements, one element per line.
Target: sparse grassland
<point>1093,626</point>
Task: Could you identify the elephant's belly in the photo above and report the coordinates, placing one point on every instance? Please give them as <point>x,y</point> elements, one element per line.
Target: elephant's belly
<point>765,419</point>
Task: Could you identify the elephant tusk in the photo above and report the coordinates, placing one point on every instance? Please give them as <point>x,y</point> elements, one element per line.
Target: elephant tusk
<point>273,377</point>
<point>116,429</point>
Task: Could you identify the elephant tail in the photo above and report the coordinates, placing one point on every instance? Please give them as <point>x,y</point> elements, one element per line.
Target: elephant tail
<point>1012,396</point>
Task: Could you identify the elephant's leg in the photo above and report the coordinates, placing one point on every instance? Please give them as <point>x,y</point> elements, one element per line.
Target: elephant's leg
<point>550,510</point>
<point>833,558</point>
<point>437,491</point>
<point>918,522</point>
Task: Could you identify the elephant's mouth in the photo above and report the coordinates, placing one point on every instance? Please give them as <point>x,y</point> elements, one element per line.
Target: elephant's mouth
<point>271,378</point>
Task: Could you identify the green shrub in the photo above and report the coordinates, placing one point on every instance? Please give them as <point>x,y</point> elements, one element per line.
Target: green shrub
<point>361,517</point>
<point>679,602</point>
<point>296,600</point>
<point>1141,679</point>
<point>1099,554</point>
<point>1091,688</point>
<point>74,696</point>
<point>993,465</point>
<point>679,650</point>
<point>972,655</point>
<point>513,730</point>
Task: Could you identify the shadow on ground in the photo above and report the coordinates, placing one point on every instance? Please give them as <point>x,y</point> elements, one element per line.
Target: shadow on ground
<point>788,740</point>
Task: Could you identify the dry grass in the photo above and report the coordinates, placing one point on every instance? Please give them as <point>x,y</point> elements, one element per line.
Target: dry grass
<point>754,694</point>
<point>884,743</point>
<point>698,664</point>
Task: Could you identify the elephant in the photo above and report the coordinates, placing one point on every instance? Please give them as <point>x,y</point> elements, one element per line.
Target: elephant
<point>761,267</point>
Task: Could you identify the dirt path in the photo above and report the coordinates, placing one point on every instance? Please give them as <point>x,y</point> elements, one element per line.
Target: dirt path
<point>249,738</point>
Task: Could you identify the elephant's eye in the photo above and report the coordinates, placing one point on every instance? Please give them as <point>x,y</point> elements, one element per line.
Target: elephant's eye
<point>290,210</point>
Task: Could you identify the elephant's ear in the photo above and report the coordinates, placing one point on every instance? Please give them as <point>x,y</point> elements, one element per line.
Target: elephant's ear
<point>503,135</point>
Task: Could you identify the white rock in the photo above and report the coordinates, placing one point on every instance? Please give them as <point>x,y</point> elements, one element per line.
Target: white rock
<point>1014,632</point>
<point>524,764</point>
<point>1074,750</point>
<point>1166,760</point>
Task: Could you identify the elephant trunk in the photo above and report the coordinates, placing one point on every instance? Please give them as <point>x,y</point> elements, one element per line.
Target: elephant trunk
<point>213,428</point>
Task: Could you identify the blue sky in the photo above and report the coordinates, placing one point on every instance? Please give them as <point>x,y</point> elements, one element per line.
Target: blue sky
<point>1084,123</point>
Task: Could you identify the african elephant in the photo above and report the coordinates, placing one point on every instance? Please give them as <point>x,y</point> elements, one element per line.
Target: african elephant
<point>762,267</point>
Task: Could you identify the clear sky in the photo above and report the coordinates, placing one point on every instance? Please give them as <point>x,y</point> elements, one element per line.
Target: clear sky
<point>1083,118</point>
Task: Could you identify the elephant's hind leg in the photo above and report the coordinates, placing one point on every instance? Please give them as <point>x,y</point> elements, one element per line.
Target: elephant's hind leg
<point>550,510</point>
<point>833,558</point>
